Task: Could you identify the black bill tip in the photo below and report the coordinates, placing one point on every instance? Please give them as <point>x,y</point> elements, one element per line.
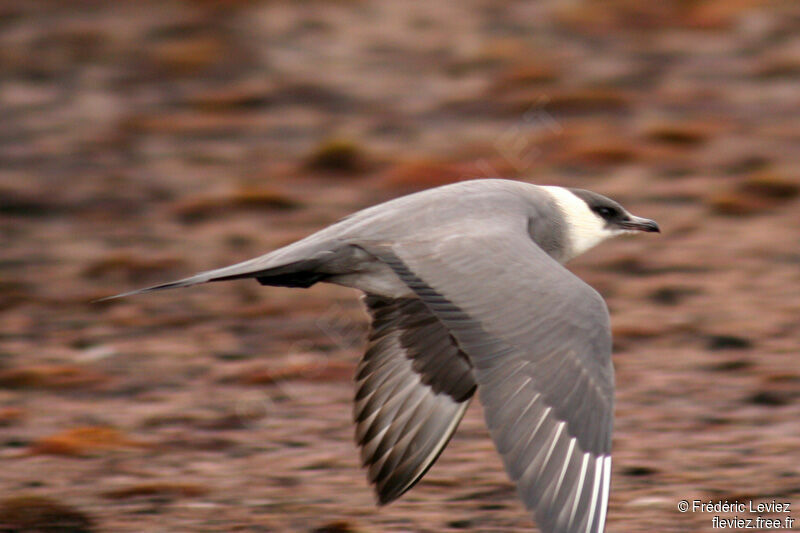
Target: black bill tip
<point>641,224</point>
<point>651,226</point>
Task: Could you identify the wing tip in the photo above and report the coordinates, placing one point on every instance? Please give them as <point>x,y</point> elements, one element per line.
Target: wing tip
<point>382,499</point>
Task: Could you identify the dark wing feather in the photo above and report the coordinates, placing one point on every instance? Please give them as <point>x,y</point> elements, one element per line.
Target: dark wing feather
<point>412,388</point>
<point>540,344</point>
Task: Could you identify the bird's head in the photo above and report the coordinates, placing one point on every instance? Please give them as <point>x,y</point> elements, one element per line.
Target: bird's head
<point>591,218</point>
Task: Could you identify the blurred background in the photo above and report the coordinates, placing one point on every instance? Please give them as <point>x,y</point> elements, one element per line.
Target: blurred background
<point>144,141</point>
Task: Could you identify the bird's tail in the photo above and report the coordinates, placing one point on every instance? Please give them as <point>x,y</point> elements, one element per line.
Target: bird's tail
<point>303,273</point>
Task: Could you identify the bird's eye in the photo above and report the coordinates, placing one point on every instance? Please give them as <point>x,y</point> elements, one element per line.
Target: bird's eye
<point>606,212</point>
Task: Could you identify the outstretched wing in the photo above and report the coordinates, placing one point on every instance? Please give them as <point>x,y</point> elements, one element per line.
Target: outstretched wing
<point>539,341</point>
<point>412,388</point>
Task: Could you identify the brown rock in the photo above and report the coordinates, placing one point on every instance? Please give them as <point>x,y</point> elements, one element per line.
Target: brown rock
<point>324,371</point>
<point>758,193</point>
<point>243,96</point>
<point>188,55</point>
<point>719,14</point>
<point>51,377</point>
<point>339,526</point>
<point>523,75</point>
<point>84,441</point>
<point>682,133</point>
<point>166,489</point>
<point>10,416</point>
<point>570,101</point>
<point>771,186</point>
<point>36,514</point>
<point>337,156</point>
<point>421,174</point>
<point>602,153</point>
<point>135,267</point>
<point>201,207</point>
<point>187,123</point>
<point>732,203</point>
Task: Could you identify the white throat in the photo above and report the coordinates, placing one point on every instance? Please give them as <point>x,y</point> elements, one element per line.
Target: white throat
<point>585,229</point>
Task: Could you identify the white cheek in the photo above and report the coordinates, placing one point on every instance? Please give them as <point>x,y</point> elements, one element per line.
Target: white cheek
<point>584,228</point>
<point>584,236</point>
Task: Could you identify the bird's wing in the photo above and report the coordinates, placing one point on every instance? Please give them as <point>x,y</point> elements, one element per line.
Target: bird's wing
<point>412,388</point>
<point>539,341</point>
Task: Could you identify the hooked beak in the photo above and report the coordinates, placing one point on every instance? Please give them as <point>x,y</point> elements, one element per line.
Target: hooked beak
<point>640,224</point>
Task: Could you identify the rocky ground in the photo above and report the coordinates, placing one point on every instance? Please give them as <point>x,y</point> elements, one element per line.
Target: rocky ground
<point>144,141</point>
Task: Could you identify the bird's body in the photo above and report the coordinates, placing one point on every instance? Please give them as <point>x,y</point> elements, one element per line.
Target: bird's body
<point>459,209</point>
<point>466,292</point>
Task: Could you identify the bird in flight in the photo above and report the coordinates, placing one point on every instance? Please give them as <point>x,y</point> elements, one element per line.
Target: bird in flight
<point>466,290</point>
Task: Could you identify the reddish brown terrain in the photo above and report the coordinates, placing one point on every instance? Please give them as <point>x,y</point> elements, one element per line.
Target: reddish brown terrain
<point>145,141</point>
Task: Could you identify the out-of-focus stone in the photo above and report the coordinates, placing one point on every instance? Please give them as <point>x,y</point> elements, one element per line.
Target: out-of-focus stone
<point>188,55</point>
<point>168,490</point>
<point>202,207</point>
<point>326,371</point>
<point>337,156</point>
<point>567,101</point>
<point>84,441</point>
<point>135,267</point>
<point>757,193</point>
<point>421,174</point>
<point>60,376</point>
<point>251,94</point>
<point>10,416</point>
<point>772,186</point>
<point>339,526</point>
<point>680,133</point>
<point>187,123</point>
<point>525,74</point>
<point>37,514</point>
<point>719,14</point>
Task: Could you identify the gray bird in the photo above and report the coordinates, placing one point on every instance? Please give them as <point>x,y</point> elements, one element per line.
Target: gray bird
<point>466,290</point>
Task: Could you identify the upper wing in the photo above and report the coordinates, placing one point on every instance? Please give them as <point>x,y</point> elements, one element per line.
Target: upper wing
<point>412,388</point>
<point>539,341</point>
